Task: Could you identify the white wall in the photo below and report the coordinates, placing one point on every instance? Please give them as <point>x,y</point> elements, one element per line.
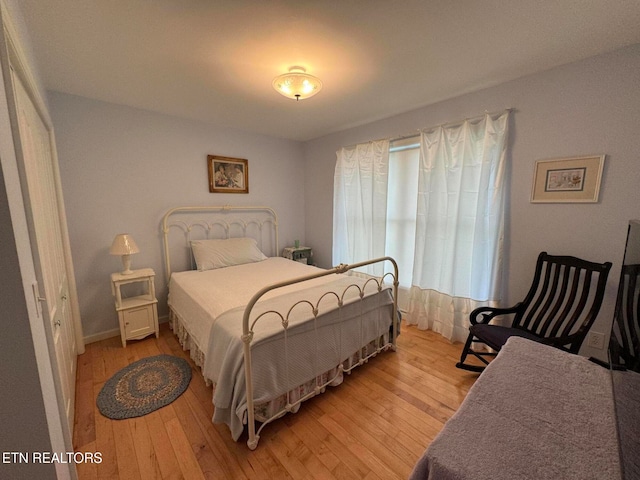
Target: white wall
<point>122,168</point>
<point>589,107</point>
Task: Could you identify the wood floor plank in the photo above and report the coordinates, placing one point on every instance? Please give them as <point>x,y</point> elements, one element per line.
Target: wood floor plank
<point>286,456</point>
<point>98,360</point>
<point>148,465</point>
<point>382,432</point>
<point>84,421</point>
<point>368,464</point>
<point>164,452</point>
<point>87,470</point>
<point>271,463</point>
<point>304,427</point>
<point>125,450</point>
<point>184,453</point>
<point>338,446</point>
<point>304,454</point>
<point>399,409</point>
<point>229,463</point>
<point>105,443</point>
<point>208,461</point>
<point>374,426</point>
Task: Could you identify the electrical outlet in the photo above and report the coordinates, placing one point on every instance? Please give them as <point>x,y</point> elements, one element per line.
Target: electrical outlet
<point>596,340</point>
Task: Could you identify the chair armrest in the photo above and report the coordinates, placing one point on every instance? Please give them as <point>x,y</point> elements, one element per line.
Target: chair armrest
<point>486,314</point>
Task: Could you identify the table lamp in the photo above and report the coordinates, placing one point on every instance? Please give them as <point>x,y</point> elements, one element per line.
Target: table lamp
<point>124,245</point>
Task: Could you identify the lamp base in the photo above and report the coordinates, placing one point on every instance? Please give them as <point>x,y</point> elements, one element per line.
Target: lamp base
<point>126,263</point>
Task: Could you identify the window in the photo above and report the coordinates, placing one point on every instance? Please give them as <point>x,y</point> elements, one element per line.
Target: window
<point>443,197</point>
<point>401,206</point>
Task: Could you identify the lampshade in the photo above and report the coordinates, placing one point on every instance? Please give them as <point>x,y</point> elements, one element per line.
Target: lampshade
<point>124,245</point>
<point>297,84</point>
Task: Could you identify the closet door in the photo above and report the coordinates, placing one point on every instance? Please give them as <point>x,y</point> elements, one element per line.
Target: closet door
<point>53,288</point>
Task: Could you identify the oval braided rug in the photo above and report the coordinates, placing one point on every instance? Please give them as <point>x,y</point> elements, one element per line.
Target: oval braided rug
<point>144,386</point>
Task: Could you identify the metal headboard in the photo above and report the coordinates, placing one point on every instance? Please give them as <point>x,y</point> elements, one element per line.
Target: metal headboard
<point>219,221</point>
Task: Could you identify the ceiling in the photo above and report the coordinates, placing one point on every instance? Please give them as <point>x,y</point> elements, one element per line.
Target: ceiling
<point>214,60</point>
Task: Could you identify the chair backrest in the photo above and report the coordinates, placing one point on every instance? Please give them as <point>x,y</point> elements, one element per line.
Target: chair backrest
<point>564,300</point>
<point>624,345</point>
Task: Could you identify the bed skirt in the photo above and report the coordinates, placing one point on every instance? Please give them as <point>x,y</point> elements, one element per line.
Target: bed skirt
<point>267,410</point>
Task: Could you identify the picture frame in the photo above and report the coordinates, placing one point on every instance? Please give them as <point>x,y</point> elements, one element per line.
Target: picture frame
<point>567,180</point>
<point>228,174</point>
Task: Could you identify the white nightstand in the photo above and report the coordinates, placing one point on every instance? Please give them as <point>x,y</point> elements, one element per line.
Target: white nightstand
<point>138,315</point>
<point>300,254</point>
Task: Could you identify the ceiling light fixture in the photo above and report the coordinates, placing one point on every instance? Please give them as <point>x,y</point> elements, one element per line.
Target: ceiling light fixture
<point>297,84</point>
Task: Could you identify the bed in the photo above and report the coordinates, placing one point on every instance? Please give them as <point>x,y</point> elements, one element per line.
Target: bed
<point>535,412</point>
<point>268,332</point>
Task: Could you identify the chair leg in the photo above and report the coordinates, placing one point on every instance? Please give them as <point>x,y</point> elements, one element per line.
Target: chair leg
<point>479,355</point>
<point>465,350</point>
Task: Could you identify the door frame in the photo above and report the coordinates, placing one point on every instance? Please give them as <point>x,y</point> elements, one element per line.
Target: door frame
<point>12,56</point>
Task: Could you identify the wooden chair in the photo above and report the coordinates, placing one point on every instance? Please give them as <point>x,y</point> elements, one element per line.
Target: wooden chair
<point>562,304</point>
<point>624,345</point>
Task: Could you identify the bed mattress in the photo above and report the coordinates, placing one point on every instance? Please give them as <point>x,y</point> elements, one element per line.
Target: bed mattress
<point>199,298</point>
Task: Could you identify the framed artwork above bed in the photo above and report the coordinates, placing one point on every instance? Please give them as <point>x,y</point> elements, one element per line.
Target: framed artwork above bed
<point>227,174</point>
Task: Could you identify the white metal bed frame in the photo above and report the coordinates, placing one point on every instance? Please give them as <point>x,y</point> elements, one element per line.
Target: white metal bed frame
<point>250,324</point>
<point>208,225</point>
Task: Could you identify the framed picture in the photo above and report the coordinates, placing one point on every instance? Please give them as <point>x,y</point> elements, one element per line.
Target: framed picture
<point>228,175</point>
<point>567,180</point>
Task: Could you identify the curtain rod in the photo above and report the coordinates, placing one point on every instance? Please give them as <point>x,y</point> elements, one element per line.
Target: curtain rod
<point>446,124</point>
<point>391,139</point>
<point>460,122</point>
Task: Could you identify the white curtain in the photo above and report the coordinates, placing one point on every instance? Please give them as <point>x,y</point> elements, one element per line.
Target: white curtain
<point>360,204</point>
<point>460,224</point>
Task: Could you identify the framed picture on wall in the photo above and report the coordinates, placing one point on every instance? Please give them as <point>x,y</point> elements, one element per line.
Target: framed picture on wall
<point>567,180</point>
<point>228,175</point>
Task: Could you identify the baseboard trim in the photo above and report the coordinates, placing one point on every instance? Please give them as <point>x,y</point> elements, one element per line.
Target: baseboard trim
<point>97,337</point>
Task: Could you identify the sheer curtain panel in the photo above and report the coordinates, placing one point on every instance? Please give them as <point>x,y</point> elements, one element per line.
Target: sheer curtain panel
<point>460,224</point>
<point>360,204</point>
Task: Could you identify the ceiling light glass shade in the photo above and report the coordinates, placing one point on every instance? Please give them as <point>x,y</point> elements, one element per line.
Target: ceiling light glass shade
<point>297,84</point>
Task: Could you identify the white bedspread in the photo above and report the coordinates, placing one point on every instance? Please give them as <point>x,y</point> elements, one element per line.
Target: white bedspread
<point>201,297</point>
<point>211,305</point>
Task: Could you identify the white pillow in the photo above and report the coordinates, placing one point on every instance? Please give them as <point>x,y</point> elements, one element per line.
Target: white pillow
<point>219,253</point>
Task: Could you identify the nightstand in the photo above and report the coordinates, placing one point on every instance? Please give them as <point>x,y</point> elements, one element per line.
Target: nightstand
<point>137,315</point>
<point>300,254</point>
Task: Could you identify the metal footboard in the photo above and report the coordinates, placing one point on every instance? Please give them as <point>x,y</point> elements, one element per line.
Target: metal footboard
<point>320,385</point>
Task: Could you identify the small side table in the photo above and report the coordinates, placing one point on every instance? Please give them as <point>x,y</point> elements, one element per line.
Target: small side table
<point>138,315</point>
<point>300,254</point>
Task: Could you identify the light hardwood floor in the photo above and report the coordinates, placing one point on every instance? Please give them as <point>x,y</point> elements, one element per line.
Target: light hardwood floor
<point>374,426</point>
